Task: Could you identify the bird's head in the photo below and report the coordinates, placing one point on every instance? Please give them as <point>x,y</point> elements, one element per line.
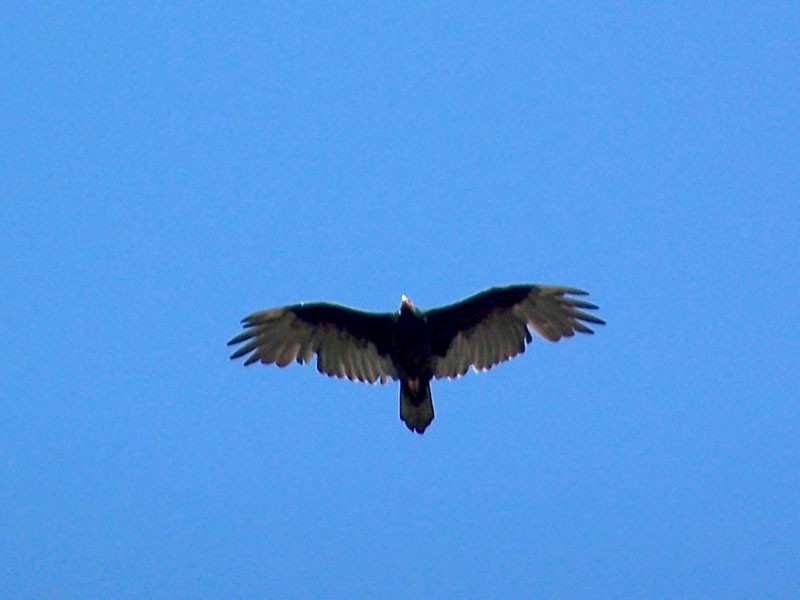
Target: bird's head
<point>405,305</point>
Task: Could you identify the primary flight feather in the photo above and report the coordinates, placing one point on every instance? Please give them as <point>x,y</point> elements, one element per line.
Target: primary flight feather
<point>413,345</point>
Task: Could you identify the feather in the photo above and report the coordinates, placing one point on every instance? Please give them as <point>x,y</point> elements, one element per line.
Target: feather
<point>491,327</point>
<point>414,346</point>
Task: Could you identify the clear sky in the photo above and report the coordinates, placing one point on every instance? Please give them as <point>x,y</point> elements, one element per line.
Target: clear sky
<point>166,170</point>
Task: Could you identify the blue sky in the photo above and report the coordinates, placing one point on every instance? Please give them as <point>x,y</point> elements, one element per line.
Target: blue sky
<point>168,169</point>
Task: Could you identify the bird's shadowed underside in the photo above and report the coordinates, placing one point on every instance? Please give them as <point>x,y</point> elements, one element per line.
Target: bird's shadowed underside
<point>412,345</point>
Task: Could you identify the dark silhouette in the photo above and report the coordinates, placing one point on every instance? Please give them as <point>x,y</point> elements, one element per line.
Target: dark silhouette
<point>412,345</point>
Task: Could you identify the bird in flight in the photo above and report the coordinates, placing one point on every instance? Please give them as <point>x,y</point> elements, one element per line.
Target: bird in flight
<point>413,345</point>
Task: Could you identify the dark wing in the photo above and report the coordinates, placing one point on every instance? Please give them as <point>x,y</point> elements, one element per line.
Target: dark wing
<point>348,343</point>
<point>491,327</point>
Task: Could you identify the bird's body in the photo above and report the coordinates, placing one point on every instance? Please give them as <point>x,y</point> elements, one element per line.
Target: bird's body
<point>411,345</point>
<point>411,354</point>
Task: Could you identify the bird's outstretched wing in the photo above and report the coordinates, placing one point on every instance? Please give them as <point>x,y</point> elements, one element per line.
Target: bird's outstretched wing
<point>492,326</point>
<point>348,343</point>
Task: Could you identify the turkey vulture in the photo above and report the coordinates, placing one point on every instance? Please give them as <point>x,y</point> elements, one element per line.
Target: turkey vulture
<point>414,345</point>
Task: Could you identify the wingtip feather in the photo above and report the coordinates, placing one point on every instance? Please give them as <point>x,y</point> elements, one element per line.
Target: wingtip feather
<point>254,358</point>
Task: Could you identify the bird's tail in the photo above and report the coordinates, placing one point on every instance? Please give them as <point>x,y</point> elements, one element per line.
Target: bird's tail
<point>416,406</point>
